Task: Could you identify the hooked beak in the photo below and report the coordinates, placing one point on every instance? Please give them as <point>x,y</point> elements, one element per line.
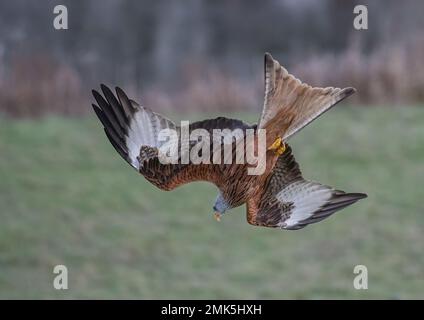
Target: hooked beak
<point>217,216</point>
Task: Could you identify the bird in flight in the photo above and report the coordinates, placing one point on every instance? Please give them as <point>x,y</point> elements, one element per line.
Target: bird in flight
<point>279,197</point>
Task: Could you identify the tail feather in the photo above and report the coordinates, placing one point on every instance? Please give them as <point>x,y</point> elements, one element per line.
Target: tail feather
<point>286,96</point>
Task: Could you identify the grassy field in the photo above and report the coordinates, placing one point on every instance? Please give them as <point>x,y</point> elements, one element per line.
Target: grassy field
<point>67,198</point>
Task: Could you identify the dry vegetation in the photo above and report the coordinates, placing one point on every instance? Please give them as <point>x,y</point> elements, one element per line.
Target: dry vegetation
<point>391,75</point>
<point>35,85</point>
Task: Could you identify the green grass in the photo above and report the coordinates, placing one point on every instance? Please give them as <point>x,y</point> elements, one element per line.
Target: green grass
<point>67,198</point>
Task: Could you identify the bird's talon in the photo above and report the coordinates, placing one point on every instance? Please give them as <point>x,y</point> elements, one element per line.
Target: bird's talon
<point>281,149</point>
<point>276,144</point>
<point>279,146</point>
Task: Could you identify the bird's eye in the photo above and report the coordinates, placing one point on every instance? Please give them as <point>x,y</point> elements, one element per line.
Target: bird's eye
<point>214,208</point>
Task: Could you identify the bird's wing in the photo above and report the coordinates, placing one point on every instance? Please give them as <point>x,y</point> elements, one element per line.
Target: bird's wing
<point>291,202</point>
<point>134,132</point>
<point>289,104</point>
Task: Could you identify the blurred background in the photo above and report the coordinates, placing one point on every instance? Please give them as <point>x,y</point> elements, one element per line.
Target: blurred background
<point>67,198</point>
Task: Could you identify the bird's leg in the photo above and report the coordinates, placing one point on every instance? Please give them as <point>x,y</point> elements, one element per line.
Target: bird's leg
<point>278,145</point>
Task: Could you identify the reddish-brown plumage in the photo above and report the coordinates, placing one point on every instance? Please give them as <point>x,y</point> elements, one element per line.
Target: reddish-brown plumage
<point>279,197</point>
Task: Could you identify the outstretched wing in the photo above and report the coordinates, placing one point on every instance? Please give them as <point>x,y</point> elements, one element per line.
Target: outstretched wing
<point>134,130</point>
<point>289,104</point>
<point>291,202</point>
<point>128,125</point>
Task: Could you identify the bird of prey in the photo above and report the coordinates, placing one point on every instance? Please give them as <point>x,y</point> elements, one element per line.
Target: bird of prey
<point>278,198</point>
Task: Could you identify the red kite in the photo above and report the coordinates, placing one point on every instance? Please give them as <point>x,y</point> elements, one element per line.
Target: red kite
<point>280,197</point>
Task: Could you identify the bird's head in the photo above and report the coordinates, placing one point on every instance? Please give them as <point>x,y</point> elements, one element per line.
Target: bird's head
<point>220,207</point>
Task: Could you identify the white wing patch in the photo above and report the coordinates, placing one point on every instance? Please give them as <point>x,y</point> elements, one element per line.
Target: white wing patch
<point>129,126</point>
<point>143,130</point>
<point>307,197</point>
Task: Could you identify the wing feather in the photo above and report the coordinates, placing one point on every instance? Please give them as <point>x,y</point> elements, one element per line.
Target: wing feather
<point>291,202</point>
<point>133,131</point>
